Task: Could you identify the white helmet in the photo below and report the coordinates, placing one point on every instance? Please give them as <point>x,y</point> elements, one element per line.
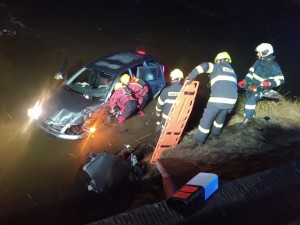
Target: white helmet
<point>265,49</point>
<point>176,74</point>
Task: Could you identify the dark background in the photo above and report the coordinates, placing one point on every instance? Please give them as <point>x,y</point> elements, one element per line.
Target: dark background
<point>37,172</point>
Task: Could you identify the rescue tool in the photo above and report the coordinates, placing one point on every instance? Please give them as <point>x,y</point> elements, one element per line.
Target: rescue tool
<point>263,91</point>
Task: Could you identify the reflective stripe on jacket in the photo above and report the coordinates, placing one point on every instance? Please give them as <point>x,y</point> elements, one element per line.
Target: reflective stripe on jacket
<point>167,98</point>
<point>223,83</point>
<point>266,69</point>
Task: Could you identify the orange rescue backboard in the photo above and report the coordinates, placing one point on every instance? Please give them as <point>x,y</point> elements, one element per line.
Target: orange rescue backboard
<point>177,118</point>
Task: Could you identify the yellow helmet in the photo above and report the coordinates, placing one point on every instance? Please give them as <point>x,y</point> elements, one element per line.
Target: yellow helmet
<point>176,74</point>
<point>125,78</point>
<point>118,85</point>
<point>223,55</point>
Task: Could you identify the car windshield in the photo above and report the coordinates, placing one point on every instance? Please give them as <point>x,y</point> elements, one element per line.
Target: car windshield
<point>91,82</point>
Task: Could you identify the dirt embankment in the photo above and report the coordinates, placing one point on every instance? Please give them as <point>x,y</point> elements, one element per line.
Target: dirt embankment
<point>266,143</point>
<point>263,144</point>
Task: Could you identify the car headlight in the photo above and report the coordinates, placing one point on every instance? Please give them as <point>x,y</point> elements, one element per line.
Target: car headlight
<point>35,111</point>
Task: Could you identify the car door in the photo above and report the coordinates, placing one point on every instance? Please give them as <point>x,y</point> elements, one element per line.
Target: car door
<point>151,72</point>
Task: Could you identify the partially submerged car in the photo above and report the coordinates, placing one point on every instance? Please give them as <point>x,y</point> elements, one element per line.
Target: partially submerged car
<point>69,112</point>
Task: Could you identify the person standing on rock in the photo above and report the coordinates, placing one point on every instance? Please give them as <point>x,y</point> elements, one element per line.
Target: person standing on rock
<point>223,84</point>
<point>168,97</point>
<point>265,73</point>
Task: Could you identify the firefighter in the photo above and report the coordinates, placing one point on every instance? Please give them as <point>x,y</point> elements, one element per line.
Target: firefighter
<point>265,73</point>
<point>122,100</point>
<point>223,84</point>
<point>168,97</point>
<point>139,88</point>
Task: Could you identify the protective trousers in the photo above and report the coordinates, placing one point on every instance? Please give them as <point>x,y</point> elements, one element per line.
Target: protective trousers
<point>130,109</point>
<point>250,103</point>
<point>212,117</point>
<point>160,125</point>
<point>143,100</point>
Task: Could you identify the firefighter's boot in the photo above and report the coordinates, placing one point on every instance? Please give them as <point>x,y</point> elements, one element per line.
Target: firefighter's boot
<point>245,123</point>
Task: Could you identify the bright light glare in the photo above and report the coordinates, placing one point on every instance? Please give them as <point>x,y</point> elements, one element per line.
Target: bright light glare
<point>92,129</point>
<point>35,111</point>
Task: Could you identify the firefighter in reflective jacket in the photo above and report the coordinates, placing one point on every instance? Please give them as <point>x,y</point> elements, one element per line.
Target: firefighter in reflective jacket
<point>139,88</point>
<point>265,72</point>
<point>168,97</point>
<point>223,83</point>
<point>122,99</point>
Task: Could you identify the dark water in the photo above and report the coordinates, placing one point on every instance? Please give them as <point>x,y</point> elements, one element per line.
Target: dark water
<point>37,172</point>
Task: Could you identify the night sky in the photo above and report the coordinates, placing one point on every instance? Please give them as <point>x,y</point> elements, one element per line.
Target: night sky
<point>182,26</point>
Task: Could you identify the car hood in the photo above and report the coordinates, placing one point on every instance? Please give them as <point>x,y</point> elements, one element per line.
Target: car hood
<point>67,107</point>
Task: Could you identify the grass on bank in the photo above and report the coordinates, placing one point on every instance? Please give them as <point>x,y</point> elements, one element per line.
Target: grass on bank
<point>286,109</point>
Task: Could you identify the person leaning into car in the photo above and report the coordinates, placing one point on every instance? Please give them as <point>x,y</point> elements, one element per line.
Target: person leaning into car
<point>139,88</point>
<point>122,99</point>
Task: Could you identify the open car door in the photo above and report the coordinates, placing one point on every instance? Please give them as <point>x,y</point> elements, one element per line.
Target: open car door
<point>154,78</point>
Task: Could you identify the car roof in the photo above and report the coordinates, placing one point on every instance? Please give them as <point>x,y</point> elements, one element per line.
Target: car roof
<point>117,62</point>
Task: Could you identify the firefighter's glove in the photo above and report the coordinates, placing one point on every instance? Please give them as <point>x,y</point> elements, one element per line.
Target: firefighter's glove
<point>265,84</point>
<point>242,83</point>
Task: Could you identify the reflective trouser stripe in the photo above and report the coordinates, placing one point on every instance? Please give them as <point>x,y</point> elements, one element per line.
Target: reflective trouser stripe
<point>250,104</point>
<point>218,125</point>
<point>206,131</point>
<point>206,122</point>
<point>165,116</point>
<point>212,116</point>
<point>250,107</point>
<point>219,121</point>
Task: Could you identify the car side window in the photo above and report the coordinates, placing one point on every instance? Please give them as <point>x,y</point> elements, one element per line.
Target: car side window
<point>134,70</point>
<point>147,73</point>
<point>156,64</point>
